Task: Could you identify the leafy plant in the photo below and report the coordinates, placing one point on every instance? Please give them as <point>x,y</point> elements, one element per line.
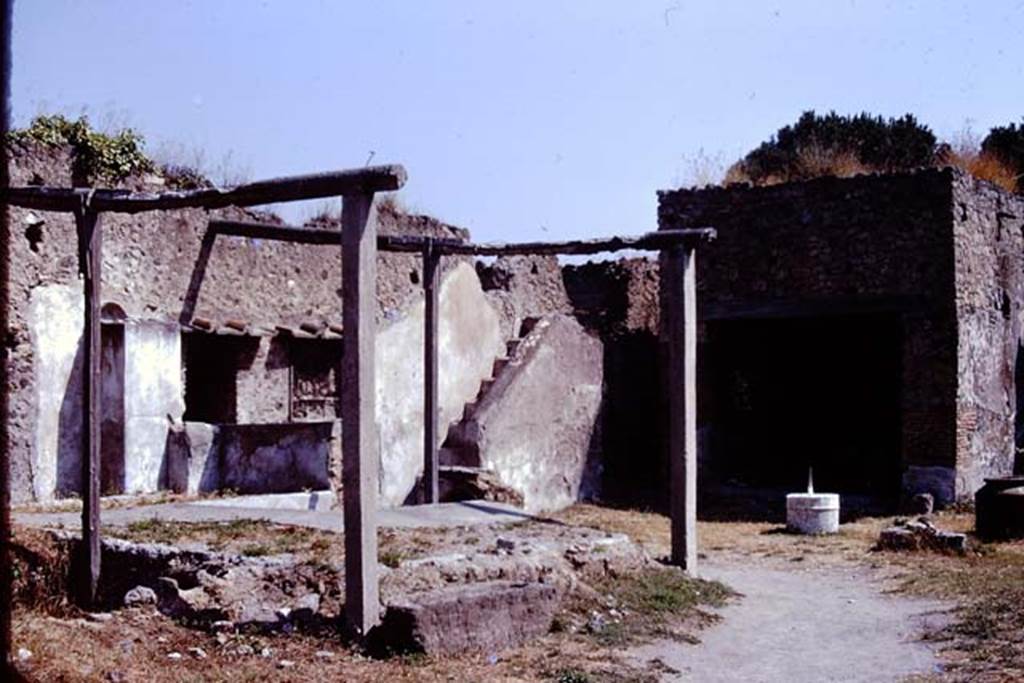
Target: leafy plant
<point>95,155</point>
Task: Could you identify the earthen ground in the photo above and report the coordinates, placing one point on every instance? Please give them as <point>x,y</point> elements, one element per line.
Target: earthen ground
<point>818,609</point>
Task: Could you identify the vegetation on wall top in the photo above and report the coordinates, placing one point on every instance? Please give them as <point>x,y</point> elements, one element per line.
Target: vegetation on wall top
<point>1006,144</point>
<point>842,146</point>
<point>110,158</point>
<point>837,145</point>
<point>96,156</point>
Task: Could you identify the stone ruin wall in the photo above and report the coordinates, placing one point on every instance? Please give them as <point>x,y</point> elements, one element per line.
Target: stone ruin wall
<point>871,238</point>
<point>150,260</point>
<point>617,302</point>
<point>937,246</point>
<point>989,228</point>
<point>869,242</point>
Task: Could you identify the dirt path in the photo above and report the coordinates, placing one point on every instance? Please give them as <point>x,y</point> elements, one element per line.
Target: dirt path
<point>808,624</point>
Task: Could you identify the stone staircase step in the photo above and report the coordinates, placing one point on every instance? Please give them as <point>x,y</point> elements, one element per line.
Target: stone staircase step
<point>526,327</point>
<point>474,483</point>
<point>499,365</point>
<point>458,455</point>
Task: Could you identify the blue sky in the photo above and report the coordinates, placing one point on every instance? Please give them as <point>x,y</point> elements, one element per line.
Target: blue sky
<point>520,120</point>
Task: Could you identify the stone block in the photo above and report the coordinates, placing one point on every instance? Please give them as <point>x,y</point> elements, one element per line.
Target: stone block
<point>192,458</point>
<point>483,617</point>
<point>921,535</point>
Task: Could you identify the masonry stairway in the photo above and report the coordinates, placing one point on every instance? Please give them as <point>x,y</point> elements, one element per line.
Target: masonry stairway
<point>460,474</point>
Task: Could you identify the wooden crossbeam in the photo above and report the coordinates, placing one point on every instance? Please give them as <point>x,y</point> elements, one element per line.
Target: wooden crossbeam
<point>293,188</point>
<point>655,241</point>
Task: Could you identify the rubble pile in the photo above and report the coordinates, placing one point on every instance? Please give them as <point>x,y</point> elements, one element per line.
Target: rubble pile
<point>920,534</point>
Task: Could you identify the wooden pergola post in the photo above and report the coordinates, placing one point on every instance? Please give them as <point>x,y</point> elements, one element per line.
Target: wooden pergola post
<point>431,278</point>
<point>680,283</point>
<point>90,254</point>
<point>358,410</point>
<point>6,569</point>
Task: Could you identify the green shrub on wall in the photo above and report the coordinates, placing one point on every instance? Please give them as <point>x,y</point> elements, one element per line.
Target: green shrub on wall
<point>96,156</point>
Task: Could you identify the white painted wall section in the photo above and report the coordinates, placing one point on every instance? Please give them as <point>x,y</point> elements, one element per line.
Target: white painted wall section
<point>154,395</point>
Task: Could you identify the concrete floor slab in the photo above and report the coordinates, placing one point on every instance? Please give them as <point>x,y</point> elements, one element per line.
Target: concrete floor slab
<point>312,510</point>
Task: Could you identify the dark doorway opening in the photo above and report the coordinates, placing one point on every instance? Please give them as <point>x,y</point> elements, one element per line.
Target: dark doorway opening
<point>112,407</point>
<point>786,394</point>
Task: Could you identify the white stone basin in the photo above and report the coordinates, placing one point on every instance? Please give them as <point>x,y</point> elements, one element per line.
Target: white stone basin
<point>812,513</point>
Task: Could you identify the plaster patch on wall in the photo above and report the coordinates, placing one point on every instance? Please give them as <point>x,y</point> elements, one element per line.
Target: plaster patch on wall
<point>153,398</point>
<point>55,319</point>
<point>469,340</point>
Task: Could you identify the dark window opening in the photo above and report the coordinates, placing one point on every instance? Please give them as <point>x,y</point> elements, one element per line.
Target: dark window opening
<point>211,376</point>
<point>315,392</point>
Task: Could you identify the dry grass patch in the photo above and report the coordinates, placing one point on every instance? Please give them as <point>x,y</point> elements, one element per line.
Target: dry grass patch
<point>985,642</point>
<point>139,646</point>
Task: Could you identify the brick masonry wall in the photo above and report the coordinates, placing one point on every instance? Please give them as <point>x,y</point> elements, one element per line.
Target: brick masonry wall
<point>869,243</point>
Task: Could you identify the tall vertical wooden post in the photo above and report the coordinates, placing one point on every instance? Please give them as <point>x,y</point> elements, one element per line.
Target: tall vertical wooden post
<point>6,570</point>
<point>90,250</point>
<point>431,276</point>
<point>680,282</point>
<point>358,410</point>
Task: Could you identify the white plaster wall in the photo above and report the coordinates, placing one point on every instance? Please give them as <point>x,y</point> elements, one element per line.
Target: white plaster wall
<point>56,319</point>
<point>154,396</point>
<point>469,340</point>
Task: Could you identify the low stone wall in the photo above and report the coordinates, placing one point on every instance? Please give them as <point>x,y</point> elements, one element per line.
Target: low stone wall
<point>263,458</point>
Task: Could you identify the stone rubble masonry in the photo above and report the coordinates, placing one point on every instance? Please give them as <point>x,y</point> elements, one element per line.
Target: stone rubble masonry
<point>521,287</point>
<point>618,301</point>
<point>988,229</point>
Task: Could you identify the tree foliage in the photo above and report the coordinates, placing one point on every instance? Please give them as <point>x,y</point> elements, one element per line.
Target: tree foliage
<point>1006,143</point>
<point>838,145</point>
